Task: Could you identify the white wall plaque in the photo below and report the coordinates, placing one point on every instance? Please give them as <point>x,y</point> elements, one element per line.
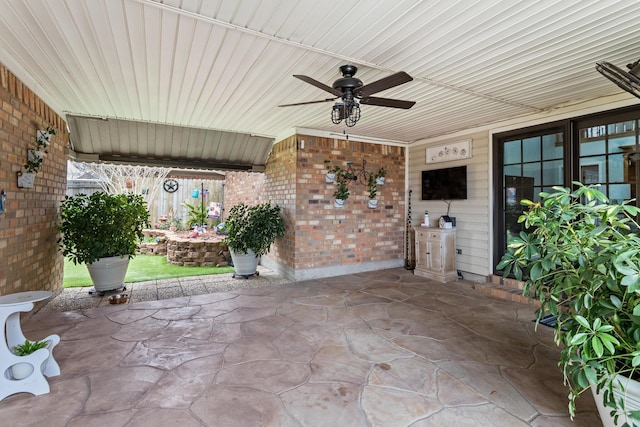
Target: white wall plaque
<point>448,152</point>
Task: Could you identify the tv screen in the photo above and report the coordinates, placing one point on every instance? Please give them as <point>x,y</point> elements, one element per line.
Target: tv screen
<point>445,184</point>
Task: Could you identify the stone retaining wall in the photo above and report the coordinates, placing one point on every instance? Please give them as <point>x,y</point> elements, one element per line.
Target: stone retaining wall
<point>186,251</point>
<point>159,247</point>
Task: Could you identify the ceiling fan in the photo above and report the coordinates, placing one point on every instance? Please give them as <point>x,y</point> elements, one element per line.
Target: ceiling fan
<point>626,80</point>
<point>353,92</point>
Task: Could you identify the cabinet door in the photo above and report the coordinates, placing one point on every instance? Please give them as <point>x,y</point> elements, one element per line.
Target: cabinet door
<point>422,256</point>
<point>434,250</point>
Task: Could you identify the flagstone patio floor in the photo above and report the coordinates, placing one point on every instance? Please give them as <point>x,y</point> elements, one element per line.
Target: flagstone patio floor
<point>383,348</point>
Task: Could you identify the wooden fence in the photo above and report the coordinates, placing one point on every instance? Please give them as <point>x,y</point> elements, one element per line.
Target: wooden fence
<point>165,203</point>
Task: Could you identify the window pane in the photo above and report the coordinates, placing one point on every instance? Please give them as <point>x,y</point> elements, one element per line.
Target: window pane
<point>588,148</point>
<point>592,170</point>
<point>512,152</point>
<point>593,132</point>
<point>532,170</point>
<point>552,173</point>
<point>552,146</point>
<point>518,188</point>
<point>616,168</point>
<point>619,192</point>
<point>622,127</point>
<point>514,170</point>
<point>531,149</point>
<point>622,144</point>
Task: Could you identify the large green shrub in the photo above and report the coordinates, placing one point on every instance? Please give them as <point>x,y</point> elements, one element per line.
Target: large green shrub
<point>253,227</point>
<point>580,258</point>
<point>101,225</point>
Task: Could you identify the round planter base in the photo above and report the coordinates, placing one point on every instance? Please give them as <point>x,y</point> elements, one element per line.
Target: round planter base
<point>108,273</point>
<point>245,264</point>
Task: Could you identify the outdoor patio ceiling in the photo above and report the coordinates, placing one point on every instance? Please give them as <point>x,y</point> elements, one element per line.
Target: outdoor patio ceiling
<point>183,81</point>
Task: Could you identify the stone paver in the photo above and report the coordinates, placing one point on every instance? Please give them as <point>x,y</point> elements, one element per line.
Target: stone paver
<point>373,349</point>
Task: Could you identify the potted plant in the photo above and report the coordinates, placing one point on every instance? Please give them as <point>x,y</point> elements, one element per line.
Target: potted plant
<point>373,191</point>
<point>580,258</point>
<point>250,232</point>
<point>35,157</point>
<point>330,176</point>
<point>23,369</point>
<point>102,231</point>
<point>382,172</point>
<point>342,192</point>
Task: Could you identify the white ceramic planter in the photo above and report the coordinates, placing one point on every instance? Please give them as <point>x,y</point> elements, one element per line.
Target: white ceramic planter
<point>338,203</point>
<point>372,203</point>
<point>33,155</point>
<point>244,264</point>
<point>630,392</point>
<point>26,179</point>
<point>108,273</point>
<point>380,180</point>
<point>43,137</point>
<point>330,177</point>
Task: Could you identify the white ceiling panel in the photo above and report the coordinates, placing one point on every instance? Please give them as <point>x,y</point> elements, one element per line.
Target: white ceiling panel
<point>193,80</point>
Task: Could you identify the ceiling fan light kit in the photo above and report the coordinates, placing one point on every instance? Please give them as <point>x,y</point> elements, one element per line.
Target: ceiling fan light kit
<point>628,81</point>
<point>353,93</point>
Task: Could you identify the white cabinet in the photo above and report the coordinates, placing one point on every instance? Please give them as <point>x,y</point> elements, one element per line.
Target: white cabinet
<point>436,254</point>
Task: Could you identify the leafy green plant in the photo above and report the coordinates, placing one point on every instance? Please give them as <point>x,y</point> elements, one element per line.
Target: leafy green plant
<point>342,179</point>
<point>373,187</point>
<point>197,214</point>
<point>253,227</point>
<point>101,225</point>
<point>29,347</point>
<point>382,172</point>
<point>580,258</point>
<point>35,156</point>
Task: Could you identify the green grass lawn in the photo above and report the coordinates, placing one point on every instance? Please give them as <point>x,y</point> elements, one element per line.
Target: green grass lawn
<point>141,268</point>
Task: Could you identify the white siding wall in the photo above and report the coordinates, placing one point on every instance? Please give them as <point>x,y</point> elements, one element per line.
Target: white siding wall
<point>472,215</point>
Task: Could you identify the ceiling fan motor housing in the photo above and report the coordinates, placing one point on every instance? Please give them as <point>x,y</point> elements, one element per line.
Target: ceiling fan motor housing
<point>348,82</point>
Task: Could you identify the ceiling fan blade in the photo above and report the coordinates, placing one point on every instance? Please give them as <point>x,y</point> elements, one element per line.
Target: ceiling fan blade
<point>318,84</point>
<point>308,102</point>
<point>627,81</point>
<point>383,84</point>
<point>386,102</point>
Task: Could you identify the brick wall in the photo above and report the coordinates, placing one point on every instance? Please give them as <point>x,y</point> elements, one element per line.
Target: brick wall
<point>333,237</point>
<point>243,187</point>
<point>281,176</point>
<point>320,238</point>
<point>28,227</point>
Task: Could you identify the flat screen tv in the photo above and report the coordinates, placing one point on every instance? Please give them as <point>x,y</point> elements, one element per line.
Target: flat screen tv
<point>445,184</point>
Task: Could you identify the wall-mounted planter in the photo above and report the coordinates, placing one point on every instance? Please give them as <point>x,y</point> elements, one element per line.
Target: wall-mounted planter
<point>43,137</point>
<point>330,177</point>
<point>26,179</point>
<point>338,203</point>
<point>372,204</point>
<point>380,180</point>
<point>35,156</point>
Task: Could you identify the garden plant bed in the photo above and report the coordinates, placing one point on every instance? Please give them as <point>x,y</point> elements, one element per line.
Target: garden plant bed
<point>180,249</point>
